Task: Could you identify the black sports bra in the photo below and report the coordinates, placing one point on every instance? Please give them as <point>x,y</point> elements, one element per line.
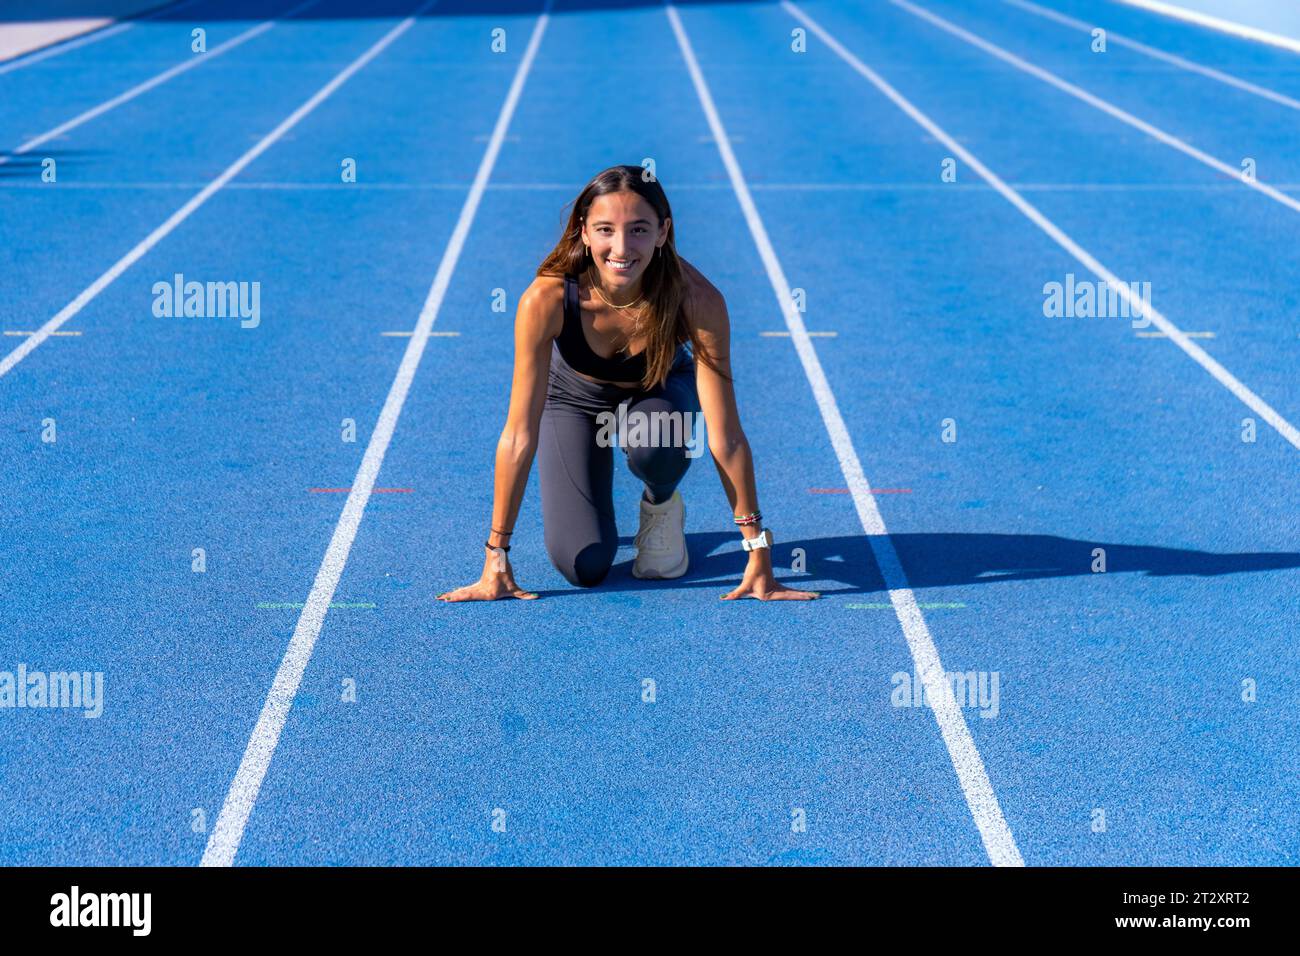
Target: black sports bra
<point>575,350</point>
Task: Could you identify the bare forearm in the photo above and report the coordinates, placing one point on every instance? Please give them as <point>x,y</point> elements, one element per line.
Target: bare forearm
<point>514,458</point>
<point>735,464</point>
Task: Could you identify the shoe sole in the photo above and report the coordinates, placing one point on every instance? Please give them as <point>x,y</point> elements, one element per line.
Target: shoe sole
<point>676,572</point>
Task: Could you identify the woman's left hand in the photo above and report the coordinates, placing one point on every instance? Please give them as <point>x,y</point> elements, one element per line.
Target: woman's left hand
<point>759,582</point>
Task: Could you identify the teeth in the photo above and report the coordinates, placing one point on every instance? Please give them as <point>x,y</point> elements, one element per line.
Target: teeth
<point>618,264</point>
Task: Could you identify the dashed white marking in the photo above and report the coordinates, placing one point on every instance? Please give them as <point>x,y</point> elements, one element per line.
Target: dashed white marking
<point>229,829</point>
<point>983,803</point>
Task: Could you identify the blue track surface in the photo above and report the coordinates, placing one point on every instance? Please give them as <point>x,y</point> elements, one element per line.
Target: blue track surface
<point>1120,692</point>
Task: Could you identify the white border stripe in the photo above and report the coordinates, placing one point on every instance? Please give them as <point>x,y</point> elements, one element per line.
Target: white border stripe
<point>180,215</point>
<point>1216,23</point>
<point>1094,101</point>
<point>1194,351</point>
<point>92,36</point>
<point>147,85</point>
<point>983,803</point>
<point>1112,37</point>
<point>229,829</point>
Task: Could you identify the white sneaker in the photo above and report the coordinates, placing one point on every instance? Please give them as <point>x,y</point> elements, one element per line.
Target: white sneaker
<point>661,542</point>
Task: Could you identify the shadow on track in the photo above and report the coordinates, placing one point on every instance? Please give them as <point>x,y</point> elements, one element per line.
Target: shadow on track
<point>935,560</point>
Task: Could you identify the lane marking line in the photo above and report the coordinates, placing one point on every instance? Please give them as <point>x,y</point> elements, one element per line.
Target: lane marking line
<point>981,800</point>
<point>412,332</point>
<point>180,215</point>
<point>1098,103</point>
<point>27,59</point>
<point>1217,23</point>
<point>870,491</point>
<point>147,85</point>
<point>15,332</point>
<point>1112,37</point>
<point>93,36</point>
<point>754,187</point>
<point>1162,335</point>
<point>373,491</point>
<point>1085,258</point>
<point>229,828</point>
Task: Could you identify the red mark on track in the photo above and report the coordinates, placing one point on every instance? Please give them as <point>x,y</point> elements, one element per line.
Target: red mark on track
<point>872,491</point>
<point>377,491</point>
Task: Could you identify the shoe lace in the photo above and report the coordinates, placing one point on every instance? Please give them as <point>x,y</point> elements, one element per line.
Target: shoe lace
<point>654,536</point>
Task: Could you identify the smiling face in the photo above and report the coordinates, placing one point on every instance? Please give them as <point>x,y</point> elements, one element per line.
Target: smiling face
<point>622,231</point>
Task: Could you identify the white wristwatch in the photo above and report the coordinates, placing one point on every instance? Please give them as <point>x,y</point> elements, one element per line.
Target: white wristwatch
<point>763,540</point>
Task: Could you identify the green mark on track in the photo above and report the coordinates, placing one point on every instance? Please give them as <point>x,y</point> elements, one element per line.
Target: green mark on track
<point>284,605</point>
<point>931,606</point>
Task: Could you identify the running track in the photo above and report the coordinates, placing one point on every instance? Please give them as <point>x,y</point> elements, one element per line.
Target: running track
<point>224,737</point>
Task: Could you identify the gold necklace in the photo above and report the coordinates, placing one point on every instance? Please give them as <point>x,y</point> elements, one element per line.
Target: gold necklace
<point>595,287</point>
<point>636,320</point>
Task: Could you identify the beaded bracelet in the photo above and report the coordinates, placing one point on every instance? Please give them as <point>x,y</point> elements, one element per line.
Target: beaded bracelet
<point>754,517</point>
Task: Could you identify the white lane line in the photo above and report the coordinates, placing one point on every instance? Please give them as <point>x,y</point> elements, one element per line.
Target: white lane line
<point>1162,335</point>
<point>411,332</point>
<point>1081,94</point>
<point>57,49</point>
<point>568,187</point>
<point>1178,61</point>
<point>1085,258</point>
<point>229,829</point>
<point>180,215</point>
<point>1217,23</point>
<point>195,60</point>
<point>974,780</point>
<point>19,332</point>
<point>35,57</point>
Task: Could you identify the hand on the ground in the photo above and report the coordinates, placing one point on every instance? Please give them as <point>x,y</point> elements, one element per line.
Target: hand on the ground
<point>498,581</point>
<point>759,582</point>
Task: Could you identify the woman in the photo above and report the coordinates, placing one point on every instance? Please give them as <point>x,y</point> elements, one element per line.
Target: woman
<point>601,340</point>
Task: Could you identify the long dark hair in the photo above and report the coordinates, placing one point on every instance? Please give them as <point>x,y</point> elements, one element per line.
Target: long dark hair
<point>663,283</point>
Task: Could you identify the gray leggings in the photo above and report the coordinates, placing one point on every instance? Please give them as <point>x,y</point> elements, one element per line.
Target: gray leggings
<point>577,470</point>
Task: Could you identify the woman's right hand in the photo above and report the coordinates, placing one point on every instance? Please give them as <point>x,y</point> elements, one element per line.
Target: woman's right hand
<point>497,581</point>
